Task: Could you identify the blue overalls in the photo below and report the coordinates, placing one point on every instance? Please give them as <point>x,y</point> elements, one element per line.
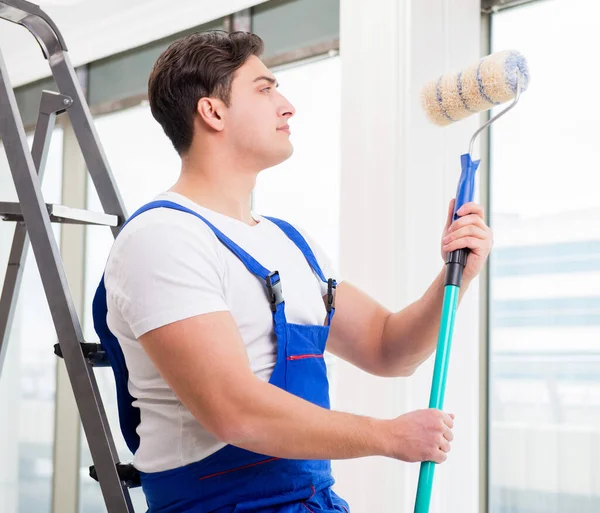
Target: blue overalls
<point>234,479</point>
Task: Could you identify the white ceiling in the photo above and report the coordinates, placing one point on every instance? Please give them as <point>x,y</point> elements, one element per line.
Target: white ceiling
<point>93,29</point>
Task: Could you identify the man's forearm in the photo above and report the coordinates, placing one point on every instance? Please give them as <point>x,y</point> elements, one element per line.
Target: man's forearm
<point>270,421</point>
<point>410,335</point>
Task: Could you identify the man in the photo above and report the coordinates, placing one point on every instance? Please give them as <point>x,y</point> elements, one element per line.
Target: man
<point>218,311</point>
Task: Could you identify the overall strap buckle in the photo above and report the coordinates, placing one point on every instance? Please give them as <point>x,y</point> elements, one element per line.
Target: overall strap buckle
<point>274,292</point>
<point>331,286</point>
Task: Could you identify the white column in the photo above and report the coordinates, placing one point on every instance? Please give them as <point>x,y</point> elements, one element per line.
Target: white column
<point>398,175</point>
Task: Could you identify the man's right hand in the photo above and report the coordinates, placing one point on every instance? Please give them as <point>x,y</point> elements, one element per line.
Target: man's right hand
<point>422,435</point>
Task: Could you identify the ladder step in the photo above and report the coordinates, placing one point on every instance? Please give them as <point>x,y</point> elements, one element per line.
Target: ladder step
<point>129,475</point>
<point>61,214</point>
<point>92,352</point>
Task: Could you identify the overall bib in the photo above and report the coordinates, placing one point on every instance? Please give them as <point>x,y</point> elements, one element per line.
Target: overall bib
<point>234,479</point>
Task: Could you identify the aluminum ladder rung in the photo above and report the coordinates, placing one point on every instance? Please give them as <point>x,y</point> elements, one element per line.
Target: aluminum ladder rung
<point>60,214</point>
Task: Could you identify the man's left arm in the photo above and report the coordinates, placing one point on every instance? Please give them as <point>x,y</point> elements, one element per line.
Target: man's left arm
<point>383,343</point>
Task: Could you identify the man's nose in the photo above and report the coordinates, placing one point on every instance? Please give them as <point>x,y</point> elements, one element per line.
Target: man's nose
<point>287,110</point>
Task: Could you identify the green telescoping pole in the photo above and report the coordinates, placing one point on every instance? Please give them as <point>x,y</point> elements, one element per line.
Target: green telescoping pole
<point>455,263</point>
<point>438,388</point>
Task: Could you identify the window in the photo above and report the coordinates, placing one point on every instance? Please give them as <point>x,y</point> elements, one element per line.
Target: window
<point>545,268</point>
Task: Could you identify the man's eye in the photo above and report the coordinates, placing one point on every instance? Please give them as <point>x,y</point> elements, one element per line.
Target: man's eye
<point>268,89</point>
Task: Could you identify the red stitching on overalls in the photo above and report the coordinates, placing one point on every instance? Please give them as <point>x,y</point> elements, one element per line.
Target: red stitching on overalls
<point>311,496</point>
<point>303,356</point>
<point>345,509</point>
<point>238,468</point>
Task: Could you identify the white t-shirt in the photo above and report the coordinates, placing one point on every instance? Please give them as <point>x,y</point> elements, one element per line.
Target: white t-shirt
<point>168,265</point>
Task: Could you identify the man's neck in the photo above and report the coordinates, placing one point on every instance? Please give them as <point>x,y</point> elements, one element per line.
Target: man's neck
<point>223,188</point>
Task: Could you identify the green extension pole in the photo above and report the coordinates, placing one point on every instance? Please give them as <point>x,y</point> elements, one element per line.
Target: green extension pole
<point>455,263</point>
<point>438,388</point>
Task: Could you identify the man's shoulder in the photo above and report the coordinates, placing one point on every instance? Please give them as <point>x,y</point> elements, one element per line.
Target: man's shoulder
<point>164,222</point>
<point>165,232</point>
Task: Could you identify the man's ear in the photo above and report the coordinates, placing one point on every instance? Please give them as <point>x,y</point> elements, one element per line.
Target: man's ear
<point>211,111</point>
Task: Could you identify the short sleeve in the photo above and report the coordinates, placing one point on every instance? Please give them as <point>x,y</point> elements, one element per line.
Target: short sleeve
<point>165,270</point>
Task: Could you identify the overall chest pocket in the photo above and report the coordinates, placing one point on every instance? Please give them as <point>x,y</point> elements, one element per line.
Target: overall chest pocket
<point>306,371</point>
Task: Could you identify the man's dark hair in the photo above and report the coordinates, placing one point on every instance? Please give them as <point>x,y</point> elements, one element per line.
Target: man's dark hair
<point>196,66</point>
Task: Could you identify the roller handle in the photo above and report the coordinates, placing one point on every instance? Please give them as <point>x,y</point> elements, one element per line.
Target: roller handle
<point>465,192</point>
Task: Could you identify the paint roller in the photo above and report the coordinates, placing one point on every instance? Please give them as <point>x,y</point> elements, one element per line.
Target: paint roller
<point>495,79</point>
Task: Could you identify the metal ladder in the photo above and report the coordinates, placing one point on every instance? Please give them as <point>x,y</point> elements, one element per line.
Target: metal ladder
<point>34,218</point>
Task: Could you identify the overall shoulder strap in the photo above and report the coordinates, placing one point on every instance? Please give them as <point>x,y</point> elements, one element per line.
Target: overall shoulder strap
<point>296,237</point>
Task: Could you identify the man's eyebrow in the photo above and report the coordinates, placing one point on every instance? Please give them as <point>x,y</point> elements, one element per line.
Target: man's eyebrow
<point>271,80</point>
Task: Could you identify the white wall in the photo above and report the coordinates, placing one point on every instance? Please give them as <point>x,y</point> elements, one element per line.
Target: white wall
<point>93,30</point>
<point>398,174</point>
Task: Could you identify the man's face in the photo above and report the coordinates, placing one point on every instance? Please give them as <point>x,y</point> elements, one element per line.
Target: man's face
<point>257,121</point>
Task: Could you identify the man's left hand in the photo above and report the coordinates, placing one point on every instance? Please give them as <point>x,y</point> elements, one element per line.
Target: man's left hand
<point>469,231</point>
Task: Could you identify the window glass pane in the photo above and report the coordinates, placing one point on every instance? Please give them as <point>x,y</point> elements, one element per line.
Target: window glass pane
<point>124,75</point>
<point>545,268</point>
<point>27,383</point>
<point>287,25</point>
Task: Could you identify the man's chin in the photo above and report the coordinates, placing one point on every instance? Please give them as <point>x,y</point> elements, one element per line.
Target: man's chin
<point>290,151</point>
<point>282,156</point>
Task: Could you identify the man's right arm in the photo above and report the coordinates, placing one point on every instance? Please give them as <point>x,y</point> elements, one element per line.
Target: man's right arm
<point>204,361</point>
